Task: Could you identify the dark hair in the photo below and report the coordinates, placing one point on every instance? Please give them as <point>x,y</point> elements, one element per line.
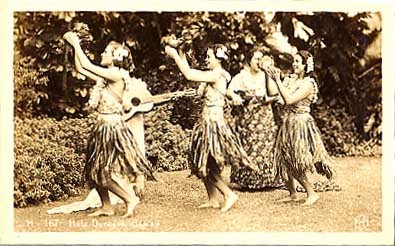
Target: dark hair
<point>251,53</point>
<point>305,55</point>
<point>127,61</point>
<point>215,48</point>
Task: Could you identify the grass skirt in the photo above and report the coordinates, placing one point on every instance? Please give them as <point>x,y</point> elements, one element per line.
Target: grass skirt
<point>112,148</point>
<point>213,138</point>
<point>299,148</point>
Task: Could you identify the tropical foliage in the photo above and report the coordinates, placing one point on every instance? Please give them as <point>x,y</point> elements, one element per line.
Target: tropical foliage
<point>51,123</point>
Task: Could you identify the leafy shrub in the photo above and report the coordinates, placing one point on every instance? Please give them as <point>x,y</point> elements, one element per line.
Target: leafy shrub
<point>44,170</point>
<point>69,132</point>
<point>167,144</point>
<point>29,87</point>
<point>50,154</point>
<point>339,133</point>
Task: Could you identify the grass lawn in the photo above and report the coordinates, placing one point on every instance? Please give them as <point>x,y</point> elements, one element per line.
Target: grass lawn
<point>171,206</point>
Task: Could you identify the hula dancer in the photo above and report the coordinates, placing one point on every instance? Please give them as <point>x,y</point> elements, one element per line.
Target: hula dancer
<point>112,148</point>
<point>299,149</point>
<point>213,143</point>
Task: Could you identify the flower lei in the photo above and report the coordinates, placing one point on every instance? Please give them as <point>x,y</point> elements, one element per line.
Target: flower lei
<point>310,64</point>
<point>315,89</point>
<point>221,53</point>
<point>96,93</point>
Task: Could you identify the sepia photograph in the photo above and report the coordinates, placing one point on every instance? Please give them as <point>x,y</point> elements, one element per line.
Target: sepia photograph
<point>204,122</point>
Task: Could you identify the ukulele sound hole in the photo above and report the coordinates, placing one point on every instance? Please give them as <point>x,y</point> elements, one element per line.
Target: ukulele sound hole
<point>135,101</point>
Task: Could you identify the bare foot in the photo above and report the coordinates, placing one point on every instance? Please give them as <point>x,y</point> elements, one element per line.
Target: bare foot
<point>102,212</point>
<point>130,206</point>
<point>138,190</point>
<point>138,187</point>
<point>229,201</point>
<point>291,198</point>
<point>210,204</point>
<point>311,200</point>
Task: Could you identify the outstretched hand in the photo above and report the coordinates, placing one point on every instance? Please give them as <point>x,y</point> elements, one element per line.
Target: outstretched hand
<point>71,37</point>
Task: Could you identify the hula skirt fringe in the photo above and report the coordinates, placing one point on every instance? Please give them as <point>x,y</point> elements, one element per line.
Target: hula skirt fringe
<point>299,148</point>
<point>213,139</point>
<point>112,148</point>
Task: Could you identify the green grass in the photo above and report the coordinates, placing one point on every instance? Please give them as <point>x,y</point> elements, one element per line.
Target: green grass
<point>171,206</point>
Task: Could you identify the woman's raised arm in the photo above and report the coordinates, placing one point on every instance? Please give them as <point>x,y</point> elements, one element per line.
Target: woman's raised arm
<point>290,98</point>
<point>187,71</point>
<point>107,73</point>
<point>83,71</point>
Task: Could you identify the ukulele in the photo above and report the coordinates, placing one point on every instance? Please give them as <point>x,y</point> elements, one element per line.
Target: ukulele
<point>143,101</point>
<point>250,98</point>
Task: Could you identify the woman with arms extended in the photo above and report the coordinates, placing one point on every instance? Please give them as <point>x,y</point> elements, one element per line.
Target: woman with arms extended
<point>299,149</point>
<point>213,143</point>
<point>112,149</point>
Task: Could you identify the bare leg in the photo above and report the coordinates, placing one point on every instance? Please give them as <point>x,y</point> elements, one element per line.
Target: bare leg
<point>212,192</point>
<point>290,184</point>
<point>230,196</point>
<point>136,125</point>
<point>312,196</point>
<point>131,200</point>
<point>139,187</point>
<point>106,208</point>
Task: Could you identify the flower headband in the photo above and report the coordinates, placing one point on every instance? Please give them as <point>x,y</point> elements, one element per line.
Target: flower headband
<point>310,64</point>
<point>120,53</point>
<point>220,52</point>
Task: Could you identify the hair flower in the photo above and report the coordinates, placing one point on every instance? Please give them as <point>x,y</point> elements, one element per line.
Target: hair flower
<point>221,53</point>
<point>310,64</point>
<point>120,53</point>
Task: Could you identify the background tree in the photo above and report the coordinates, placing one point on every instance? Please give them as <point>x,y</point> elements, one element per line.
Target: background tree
<point>337,40</point>
<point>50,123</point>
